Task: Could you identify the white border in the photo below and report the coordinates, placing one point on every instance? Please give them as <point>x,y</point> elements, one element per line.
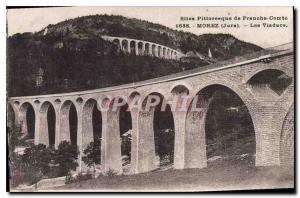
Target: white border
<point>5,3</point>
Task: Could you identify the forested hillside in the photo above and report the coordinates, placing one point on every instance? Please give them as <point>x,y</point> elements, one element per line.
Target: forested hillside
<point>71,56</point>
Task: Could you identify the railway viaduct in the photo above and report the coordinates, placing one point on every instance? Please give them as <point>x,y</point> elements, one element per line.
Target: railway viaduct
<point>249,77</point>
<point>141,47</point>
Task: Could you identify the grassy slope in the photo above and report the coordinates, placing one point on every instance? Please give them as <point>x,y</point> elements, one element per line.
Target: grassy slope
<point>221,175</point>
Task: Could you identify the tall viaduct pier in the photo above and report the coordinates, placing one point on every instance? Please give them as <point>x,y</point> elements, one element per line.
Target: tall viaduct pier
<point>250,78</point>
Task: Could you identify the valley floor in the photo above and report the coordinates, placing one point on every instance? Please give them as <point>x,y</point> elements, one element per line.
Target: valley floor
<point>219,175</point>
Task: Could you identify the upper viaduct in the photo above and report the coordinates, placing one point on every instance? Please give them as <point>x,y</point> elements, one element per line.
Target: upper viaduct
<point>251,78</point>
<point>140,47</point>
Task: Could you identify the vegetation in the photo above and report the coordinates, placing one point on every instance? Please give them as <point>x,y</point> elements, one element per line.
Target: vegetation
<point>66,157</point>
<point>37,158</point>
<point>164,146</point>
<point>38,161</point>
<point>110,173</point>
<point>223,175</point>
<point>92,154</point>
<point>15,166</point>
<point>229,128</point>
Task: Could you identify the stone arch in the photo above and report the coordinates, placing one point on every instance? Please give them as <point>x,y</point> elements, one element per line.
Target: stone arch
<point>134,99</point>
<point>103,102</point>
<point>287,139</point>
<point>147,49</point>
<point>180,95</point>
<point>264,67</point>
<point>57,101</point>
<point>269,82</point>
<point>140,47</point>
<point>111,103</point>
<point>240,91</point>
<point>169,53</point>
<point>27,119</point>
<point>164,53</point>
<point>91,122</point>
<point>180,89</point>
<point>125,46</point>
<point>133,94</point>
<point>117,42</point>
<point>175,55</point>
<point>132,47</point>
<point>68,122</point>
<point>159,51</point>
<point>154,50</point>
<point>196,145</point>
<point>158,90</point>
<point>47,124</point>
<point>79,100</point>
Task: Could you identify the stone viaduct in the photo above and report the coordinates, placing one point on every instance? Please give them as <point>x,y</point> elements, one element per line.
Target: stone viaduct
<point>140,47</point>
<point>271,110</point>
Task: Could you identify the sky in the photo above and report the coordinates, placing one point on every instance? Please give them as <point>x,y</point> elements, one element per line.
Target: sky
<point>35,19</point>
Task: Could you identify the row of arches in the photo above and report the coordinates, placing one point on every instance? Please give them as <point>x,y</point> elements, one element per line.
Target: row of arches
<point>162,123</point>
<point>47,122</point>
<point>140,48</point>
<point>205,130</point>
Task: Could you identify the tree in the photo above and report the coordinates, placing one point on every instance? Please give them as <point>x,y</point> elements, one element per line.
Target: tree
<point>21,172</point>
<point>92,154</point>
<point>13,158</point>
<point>35,163</point>
<point>37,157</point>
<point>165,144</point>
<point>66,158</point>
<point>14,138</point>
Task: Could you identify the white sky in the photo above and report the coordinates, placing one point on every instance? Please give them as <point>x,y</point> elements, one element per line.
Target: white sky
<point>31,20</point>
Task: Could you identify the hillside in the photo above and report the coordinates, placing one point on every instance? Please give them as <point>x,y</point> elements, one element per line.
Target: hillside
<point>71,56</point>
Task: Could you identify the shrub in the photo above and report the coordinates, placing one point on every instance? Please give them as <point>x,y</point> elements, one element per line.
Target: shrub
<point>54,171</point>
<point>110,173</point>
<point>15,171</point>
<point>30,167</point>
<point>92,154</point>
<point>14,137</point>
<point>39,162</point>
<point>65,157</point>
<point>37,158</point>
<point>164,144</point>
